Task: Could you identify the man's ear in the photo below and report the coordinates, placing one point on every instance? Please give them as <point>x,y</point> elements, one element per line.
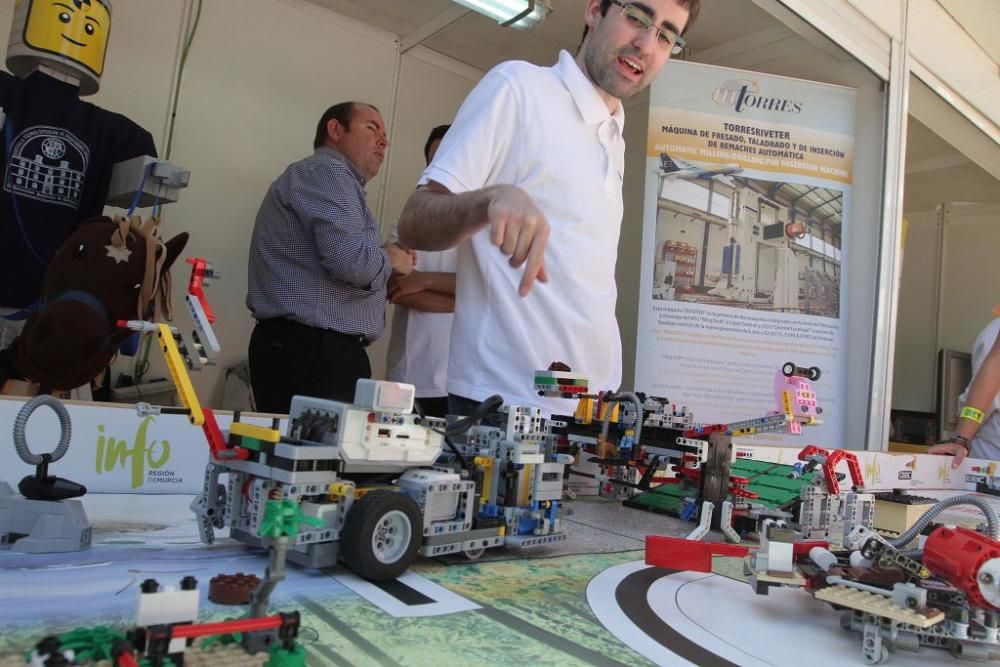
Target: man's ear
<point>334,130</point>
<point>592,13</point>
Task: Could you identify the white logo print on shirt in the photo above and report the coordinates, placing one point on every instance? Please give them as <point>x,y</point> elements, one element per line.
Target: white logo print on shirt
<point>47,164</point>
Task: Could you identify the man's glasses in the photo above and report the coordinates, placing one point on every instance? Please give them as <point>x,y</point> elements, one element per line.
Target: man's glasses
<point>640,20</point>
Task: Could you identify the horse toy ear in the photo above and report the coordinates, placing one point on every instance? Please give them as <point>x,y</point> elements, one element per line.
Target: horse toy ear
<point>174,248</point>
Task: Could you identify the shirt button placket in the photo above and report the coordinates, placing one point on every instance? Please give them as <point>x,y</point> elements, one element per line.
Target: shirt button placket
<point>606,134</point>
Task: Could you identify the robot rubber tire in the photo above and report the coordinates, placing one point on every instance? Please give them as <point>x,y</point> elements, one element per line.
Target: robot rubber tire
<point>382,533</point>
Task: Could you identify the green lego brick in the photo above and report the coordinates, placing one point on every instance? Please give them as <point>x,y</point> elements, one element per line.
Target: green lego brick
<point>770,481</point>
<point>775,482</point>
<point>250,443</point>
<point>773,497</point>
<point>748,467</point>
<point>664,498</point>
<point>281,657</point>
<point>569,382</point>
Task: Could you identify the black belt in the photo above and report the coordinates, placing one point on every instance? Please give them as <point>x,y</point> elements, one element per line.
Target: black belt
<point>286,323</point>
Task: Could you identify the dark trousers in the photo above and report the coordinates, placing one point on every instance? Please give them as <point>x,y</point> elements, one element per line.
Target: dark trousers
<point>288,358</point>
<point>461,406</point>
<point>434,407</point>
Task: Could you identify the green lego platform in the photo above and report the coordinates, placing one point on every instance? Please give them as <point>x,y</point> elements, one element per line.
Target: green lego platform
<point>770,481</point>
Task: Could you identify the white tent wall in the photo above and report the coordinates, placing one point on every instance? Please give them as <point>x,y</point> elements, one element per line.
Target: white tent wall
<point>970,273</point>
<point>913,377</point>
<point>259,75</point>
<point>944,53</point>
<point>948,292</point>
<point>940,48</point>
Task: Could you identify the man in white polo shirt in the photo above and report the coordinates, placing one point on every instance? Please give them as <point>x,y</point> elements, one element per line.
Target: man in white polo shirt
<point>532,167</point>
<point>421,326</point>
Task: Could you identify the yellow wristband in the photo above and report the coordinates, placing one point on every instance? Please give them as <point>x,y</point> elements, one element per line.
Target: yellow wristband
<point>971,413</point>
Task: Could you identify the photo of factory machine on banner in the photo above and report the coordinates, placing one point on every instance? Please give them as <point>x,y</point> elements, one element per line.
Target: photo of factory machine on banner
<point>747,195</point>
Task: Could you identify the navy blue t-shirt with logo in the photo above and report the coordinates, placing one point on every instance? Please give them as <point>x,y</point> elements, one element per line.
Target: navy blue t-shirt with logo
<point>56,169</point>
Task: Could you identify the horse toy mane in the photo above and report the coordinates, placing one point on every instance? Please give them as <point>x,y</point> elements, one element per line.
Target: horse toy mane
<point>108,270</point>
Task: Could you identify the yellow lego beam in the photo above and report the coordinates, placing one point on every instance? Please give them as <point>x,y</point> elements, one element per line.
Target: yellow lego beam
<point>178,371</point>
<point>485,462</point>
<point>786,403</point>
<point>251,431</point>
<point>527,481</point>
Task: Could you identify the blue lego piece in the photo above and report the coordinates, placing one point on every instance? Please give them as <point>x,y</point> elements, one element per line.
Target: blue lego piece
<point>689,509</point>
<point>526,525</point>
<point>490,511</point>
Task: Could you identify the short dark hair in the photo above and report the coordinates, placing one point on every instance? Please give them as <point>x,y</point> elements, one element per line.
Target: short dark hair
<point>343,113</point>
<point>437,133</point>
<point>693,7</point>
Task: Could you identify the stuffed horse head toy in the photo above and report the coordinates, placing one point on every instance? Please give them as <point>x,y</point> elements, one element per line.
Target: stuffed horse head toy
<point>106,271</point>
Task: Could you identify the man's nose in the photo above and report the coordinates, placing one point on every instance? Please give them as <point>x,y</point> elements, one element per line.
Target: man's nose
<point>645,40</point>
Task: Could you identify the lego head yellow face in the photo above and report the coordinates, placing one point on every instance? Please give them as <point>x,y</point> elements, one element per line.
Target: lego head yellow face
<point>74,29</point>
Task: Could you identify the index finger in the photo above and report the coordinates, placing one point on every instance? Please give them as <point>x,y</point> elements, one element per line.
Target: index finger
<point>959,457</point>
<point>534,266</point>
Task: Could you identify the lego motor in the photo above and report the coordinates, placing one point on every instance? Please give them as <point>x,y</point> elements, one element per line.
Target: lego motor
<point>967,560</point>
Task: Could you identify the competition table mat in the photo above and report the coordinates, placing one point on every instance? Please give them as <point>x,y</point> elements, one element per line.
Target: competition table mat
<point>587,601</point>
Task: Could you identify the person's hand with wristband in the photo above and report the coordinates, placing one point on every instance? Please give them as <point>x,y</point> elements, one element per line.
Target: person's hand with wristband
<point>982,392</point>
<point>958,447</point>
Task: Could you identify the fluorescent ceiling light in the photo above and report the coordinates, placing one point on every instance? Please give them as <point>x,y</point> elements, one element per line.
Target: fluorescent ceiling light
<point>528,13</point>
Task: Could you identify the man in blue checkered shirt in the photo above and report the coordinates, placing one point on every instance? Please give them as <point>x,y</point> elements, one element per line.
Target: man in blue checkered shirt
<point>318,271</point>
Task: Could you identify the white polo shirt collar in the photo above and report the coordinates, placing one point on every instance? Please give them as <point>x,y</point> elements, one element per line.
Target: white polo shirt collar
<point>584,93</point>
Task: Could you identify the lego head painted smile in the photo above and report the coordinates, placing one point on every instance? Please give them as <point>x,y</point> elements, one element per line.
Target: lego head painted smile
<point>77,29</point>
<point>71,35</point>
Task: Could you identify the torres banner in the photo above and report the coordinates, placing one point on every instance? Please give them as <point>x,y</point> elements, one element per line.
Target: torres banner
<point>748,191</point>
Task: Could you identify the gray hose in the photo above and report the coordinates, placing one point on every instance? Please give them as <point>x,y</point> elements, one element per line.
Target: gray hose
<point>637,424</point>
<point>21,421</point>
<point>992,521</point>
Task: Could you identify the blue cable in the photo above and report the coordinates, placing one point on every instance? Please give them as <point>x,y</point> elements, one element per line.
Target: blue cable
<point>9,132</point>
<point>156,201</point>
<point>142,184</point>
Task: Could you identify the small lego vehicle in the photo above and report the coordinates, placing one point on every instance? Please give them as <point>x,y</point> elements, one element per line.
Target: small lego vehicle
<point>377,487</point>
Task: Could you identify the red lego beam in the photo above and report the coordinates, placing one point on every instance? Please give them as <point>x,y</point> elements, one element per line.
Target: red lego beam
<point>196,283</point>
<point>803,547</point>
<point>191,630</point>
<point>677,553</point>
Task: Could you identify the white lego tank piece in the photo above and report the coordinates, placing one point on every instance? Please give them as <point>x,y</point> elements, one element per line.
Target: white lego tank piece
<point>379,435</point>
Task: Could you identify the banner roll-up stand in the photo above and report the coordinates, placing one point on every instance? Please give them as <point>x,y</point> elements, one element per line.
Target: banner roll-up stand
<point>747,205</point>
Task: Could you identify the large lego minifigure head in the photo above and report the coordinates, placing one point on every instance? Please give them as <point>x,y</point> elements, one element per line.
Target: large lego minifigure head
<point>70,36</point>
